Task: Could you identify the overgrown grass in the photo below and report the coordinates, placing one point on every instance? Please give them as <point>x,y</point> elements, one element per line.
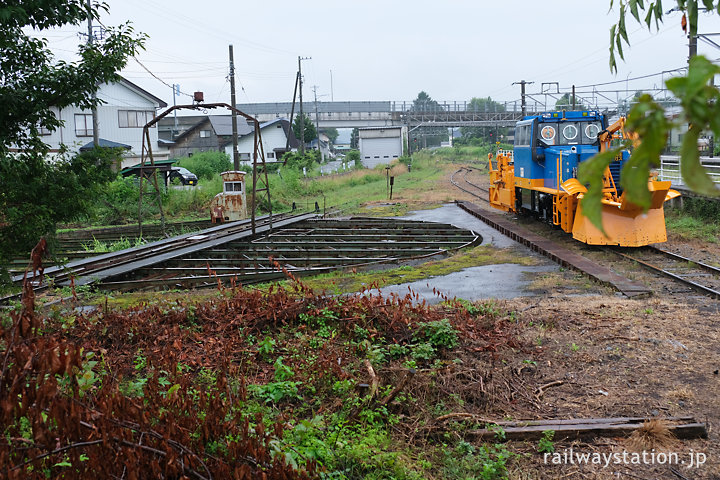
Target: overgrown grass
<point>698,219</point>
<point>298,363</point>
<point>351,191</point>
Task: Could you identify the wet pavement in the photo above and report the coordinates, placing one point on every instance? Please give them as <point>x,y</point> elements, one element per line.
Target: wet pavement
<point>499,281</point>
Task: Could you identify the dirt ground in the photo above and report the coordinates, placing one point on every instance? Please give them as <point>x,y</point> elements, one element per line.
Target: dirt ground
<point>618,357</point>
<point>652,357</point>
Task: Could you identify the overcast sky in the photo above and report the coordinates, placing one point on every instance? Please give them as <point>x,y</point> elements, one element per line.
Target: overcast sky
<point>389,50</point>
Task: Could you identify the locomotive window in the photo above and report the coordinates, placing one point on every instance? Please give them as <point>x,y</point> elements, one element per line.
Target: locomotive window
<point>570,132</point>
<point>522,135</point>
<point>590,132</point>
<point>548,134</point>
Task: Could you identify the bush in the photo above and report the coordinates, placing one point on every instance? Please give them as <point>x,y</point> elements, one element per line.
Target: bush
<point>354,156</point>
<point>297,161</point>
<point>118,202</point>
<point>207,164</point>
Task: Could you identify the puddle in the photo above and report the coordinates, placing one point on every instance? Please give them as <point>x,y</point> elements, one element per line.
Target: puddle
<point>475,283</point>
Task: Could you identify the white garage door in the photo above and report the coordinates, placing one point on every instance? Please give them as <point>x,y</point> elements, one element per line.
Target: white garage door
<point>376,151</point>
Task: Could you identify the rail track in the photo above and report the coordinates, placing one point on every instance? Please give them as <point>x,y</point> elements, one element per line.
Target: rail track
<point>97,268</point>
<point>691,274</point>
<point>300,244</point>
<point>469,187</point>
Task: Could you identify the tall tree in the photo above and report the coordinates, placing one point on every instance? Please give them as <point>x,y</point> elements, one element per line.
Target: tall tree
<point>427,136</point>
<point>355,139</point>
<point>32,82</point>
<point>487,134</point>
<point>331,132</point>
<point>425,103</point>
<point>566,102</point>
<point>310,131</point>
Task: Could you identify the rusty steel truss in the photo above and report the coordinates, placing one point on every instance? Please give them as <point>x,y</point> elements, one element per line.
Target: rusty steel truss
<point>258,157</point>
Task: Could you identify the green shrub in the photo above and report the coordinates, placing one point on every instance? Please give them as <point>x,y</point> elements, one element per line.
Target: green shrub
<point>438,333</point>
<point>354,157</point>
<point>207,164</point>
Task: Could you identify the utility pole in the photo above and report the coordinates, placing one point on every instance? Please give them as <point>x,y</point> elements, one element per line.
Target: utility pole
<point>302,116</point>
<point>236,156</point>
<point>317,124</point>
<point>96,123</point>
<point>176,91</point>
<point>692,36</point>
<point>522,84</point>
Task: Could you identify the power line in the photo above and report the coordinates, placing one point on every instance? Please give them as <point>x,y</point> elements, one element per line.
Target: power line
<point>158,78</point>
<point>634,78</point>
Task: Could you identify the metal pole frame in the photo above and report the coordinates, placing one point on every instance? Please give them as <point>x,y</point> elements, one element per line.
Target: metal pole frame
<point>258,154</point>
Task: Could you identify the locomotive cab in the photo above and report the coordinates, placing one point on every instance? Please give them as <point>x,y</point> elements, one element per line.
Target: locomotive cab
<point>540,176</point>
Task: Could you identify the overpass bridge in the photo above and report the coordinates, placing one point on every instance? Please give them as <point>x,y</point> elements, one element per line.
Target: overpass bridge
<point>390,113</point>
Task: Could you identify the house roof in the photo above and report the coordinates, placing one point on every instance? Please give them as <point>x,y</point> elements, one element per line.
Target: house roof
<point>294,143</point>
<point>142,92</point>
<point>222,124</point>
<point>105,144</point>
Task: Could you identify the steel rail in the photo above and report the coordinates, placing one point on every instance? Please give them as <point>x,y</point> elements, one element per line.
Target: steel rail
<point>235,261</point>
<point>452,180</point>
<point>675,256</point>
<point>482,189</point>
<point>701,288</point>
<point>63,275</point>
<point>555,252</point>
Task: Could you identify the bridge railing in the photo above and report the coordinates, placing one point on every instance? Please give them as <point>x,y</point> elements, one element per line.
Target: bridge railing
<point>670,169</point>
<point>455,106</point>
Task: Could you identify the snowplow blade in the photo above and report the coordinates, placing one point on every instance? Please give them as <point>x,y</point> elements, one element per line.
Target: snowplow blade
<point>625,223</point>
<point>629,228</point>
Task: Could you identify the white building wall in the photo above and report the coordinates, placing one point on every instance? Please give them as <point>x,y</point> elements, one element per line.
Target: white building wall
<point>118,97</point>
<point>380,146</point>
<point>273,136</point>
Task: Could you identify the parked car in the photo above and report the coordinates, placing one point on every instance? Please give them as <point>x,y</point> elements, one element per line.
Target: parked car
<point>183,175</point>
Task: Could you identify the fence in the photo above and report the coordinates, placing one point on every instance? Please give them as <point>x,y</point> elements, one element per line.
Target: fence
<point>670,169</point>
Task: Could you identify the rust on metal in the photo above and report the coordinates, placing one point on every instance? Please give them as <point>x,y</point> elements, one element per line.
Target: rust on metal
<point>230,204</point>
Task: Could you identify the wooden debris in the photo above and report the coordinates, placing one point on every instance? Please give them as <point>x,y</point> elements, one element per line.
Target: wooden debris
<point>374,381</point>
<point>541,389</point>
<point>681,428</point>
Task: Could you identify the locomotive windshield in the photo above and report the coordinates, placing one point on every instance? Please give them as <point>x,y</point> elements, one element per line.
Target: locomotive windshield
<point>569,133</point>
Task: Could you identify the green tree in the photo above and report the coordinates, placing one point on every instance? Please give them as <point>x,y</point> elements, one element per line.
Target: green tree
<point>425,103</point>
<point>486,134</point>
<point>331,132</point>
<point>700,102</point>
<point>207,164</point>
<point>36,194</point>
<point>310,132</point>
<point>566,102</point>
<point>355,139</point>
<point>427,136</point>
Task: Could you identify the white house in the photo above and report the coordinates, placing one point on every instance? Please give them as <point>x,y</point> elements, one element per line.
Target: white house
<point>121,118</point>
<point>274,139</point>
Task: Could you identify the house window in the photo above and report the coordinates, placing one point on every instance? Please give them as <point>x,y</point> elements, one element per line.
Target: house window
<point>271,155</point>
<point>44,131</point>
<point>204,133</point>
<point>83,125</point>
<point>134,118</point>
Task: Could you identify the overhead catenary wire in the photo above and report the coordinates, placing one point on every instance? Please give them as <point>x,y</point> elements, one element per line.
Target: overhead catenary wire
<point>160,79</point>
